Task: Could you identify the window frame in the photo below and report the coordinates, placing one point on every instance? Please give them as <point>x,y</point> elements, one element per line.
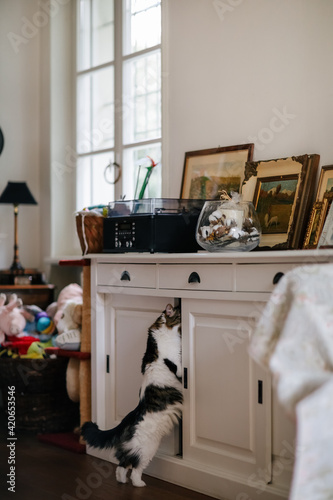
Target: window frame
<point>119,149</point>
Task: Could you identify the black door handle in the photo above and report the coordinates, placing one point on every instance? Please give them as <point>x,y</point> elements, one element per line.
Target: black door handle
<point>277,278</point>
<point>194,278</point>
<point>125,276</point>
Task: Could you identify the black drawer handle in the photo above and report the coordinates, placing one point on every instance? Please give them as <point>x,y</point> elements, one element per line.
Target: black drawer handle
<point>125,276</point>
<point>194,278</point>
<point>277,278</point>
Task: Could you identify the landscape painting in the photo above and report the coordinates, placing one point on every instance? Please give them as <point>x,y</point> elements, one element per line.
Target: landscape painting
<point>207,172</point>
<point>209,187</point>
<point>274,199</point>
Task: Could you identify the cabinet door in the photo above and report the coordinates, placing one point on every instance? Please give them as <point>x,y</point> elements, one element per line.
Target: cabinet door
<point>227,402</point>
<point>127,321</point>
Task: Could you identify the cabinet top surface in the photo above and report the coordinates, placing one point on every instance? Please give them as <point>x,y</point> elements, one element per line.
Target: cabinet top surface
<point>259,257</point>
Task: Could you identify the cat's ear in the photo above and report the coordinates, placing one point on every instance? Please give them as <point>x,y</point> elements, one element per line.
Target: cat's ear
<point>169,310</point>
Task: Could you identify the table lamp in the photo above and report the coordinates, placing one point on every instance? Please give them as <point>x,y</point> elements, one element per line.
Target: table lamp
<point>17,193</point>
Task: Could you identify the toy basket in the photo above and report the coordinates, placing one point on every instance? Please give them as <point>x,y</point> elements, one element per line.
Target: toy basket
<point>41,400</point>
<point>90,232</point>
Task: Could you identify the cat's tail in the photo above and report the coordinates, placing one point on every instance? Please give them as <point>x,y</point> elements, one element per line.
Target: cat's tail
<point>97,438</point>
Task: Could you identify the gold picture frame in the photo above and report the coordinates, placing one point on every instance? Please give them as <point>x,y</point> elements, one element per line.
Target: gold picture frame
<point>313,228</point>
<point>317,220</point>
<point>209,171</point>
<point>282,192</point>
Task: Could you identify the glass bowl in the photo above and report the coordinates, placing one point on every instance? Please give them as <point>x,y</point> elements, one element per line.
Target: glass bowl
<point>227,226</point>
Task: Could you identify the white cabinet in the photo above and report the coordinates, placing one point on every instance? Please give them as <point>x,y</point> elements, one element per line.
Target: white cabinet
<point>236,442</point>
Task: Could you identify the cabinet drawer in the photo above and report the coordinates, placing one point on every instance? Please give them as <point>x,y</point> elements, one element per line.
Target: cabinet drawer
<point>127,275</point>
<point>259,277</point>
<point>196,277</point>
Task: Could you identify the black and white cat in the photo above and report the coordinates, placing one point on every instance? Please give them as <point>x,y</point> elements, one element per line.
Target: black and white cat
<point>136,439</point>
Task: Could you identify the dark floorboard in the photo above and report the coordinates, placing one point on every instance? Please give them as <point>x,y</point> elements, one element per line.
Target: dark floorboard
<point>46,472</point>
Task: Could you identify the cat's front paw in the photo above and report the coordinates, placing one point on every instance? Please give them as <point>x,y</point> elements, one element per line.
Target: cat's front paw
<point>136,479</point>
<point>121,475</point>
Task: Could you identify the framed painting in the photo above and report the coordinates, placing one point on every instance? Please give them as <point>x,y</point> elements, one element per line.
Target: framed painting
<point>281,191</point>
<point>209,171</point>
<point>273,201</point>
<point>325,184</point>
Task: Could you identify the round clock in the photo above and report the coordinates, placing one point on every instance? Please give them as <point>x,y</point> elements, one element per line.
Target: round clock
<point>1,141</point>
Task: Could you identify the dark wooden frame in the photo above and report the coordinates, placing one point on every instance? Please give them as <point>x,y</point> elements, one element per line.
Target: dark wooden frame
<point>205,156</point>
<point>305,167</point>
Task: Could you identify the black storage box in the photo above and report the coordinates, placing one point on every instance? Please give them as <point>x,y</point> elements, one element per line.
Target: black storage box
<point>152,225</point>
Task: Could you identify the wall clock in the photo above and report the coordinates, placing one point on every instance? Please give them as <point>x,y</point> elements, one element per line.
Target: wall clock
<point>1,141</point>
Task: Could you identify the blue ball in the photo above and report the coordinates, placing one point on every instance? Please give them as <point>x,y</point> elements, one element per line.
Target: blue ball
<point>43,323</point>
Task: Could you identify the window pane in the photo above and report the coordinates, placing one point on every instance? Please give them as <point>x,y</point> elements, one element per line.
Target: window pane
<point>83,122</point>
<point>142,98</point>
<point>142,25</point>
<point>95,28</point>
<point>103,31</point>
<point>103,107</point>
<point>135,165</point>
<point>83,30</point>
<point>95,110</point>
<point>91,186</point>
<point>83,184</point>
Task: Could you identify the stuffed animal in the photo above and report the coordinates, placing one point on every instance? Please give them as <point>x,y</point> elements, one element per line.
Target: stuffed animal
<point>70,292</point>
<point>69,327</point>
<point>12,322</point>
<point>35,351</point>
<point>69,338</point>
<point>68,319</point>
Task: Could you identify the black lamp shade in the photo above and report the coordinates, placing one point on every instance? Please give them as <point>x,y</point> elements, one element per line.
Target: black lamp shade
<point>17,193</point>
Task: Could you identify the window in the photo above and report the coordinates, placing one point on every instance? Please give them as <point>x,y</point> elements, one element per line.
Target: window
<point>118,85</point>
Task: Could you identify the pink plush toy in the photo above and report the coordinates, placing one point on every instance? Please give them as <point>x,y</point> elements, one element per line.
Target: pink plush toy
<point>12,322</point>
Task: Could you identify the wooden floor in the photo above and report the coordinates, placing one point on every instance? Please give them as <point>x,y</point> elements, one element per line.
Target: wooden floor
<point>46,472</point>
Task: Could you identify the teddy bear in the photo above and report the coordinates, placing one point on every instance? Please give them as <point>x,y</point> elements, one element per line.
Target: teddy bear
<point>73,292</point>
<point>66,313</point>
<point>69,327</point>
<point>69,338</point>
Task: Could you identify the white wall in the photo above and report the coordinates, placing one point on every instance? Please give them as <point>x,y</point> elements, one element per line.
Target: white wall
<point>64,240</point>
<point>37,122</point>
<point>230,67</point>
<point>233,65</point>
<point>19,121</point>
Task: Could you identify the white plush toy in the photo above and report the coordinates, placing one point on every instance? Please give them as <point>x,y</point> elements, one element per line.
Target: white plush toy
<point>69,338</point>
<point>69,327</point>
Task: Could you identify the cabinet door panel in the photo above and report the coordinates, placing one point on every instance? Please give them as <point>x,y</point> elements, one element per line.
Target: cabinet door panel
<point>224,425</point>
<point>214,390</point>
<point>128,320</point>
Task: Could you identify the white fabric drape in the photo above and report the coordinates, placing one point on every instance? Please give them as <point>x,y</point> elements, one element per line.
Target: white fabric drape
<point>294,339</point>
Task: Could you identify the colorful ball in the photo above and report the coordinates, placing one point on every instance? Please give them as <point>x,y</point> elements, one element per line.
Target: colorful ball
<point>45,325</point>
